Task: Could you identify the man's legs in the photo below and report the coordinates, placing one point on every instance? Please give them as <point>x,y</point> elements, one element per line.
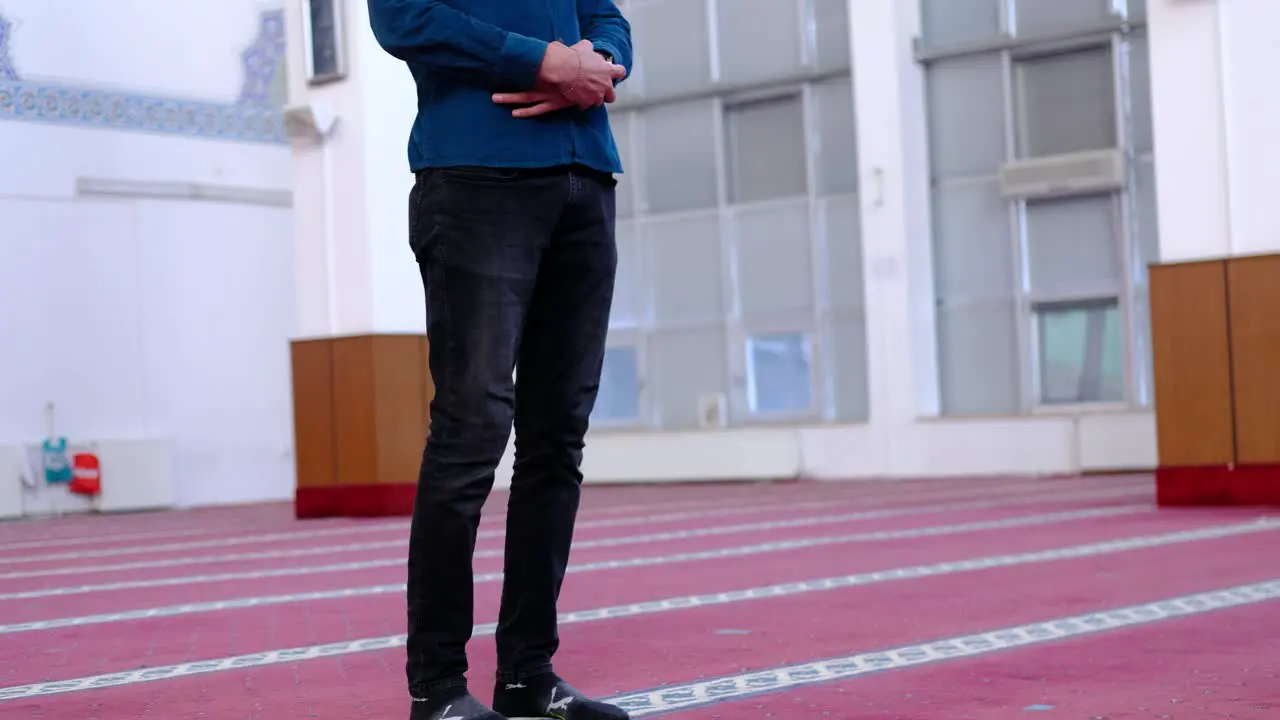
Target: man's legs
<point>479,236</point>
<point>556,385</point>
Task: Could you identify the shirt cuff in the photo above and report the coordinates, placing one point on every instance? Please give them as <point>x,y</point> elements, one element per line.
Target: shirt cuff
<point>521,60</point>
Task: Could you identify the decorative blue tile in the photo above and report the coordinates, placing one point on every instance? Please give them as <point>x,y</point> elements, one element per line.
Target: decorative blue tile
<point>7,70</point>
<point>252,119</point>
<point>262,60</point>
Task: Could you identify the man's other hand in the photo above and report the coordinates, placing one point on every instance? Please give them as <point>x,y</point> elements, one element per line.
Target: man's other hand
<point>534,102</point>
<point>578,75</point>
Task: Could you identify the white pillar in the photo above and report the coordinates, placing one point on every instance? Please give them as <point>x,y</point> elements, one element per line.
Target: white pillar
<point>896,228</point>
<point>355,273</point>
<point>1215,112</point>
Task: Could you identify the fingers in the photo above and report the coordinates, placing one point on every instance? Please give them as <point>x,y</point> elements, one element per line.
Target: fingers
<point>521,98</point>
<point>617,72</point>
<point>610,95</point>
<point>542,108</point>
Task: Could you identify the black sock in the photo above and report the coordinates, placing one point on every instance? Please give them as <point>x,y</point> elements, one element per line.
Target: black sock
<point>546,696</point>
<point>451,703</point>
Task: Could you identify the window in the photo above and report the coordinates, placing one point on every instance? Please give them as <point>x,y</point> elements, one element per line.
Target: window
<point>966,116</point>
<point>625,193</point>
<point>619,397</point>
<point>1072,247</point>
<point>323,40</point>
<point>1081,352</point>
<point>738,233</point>
<point>949,22</point>
<point>1036,295</point>
<point>836,155</point>
<point>680,156</point>
<point>1038,17</point>
<point>779,373</point>
<point>766,149</point>
<point>743,58</point>
<point>686,264</point>
<point>1066,103</point>
<point>673,48</point>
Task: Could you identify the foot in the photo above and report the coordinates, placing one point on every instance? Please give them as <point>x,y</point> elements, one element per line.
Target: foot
<point>457,704</point>
<point>547,697</point>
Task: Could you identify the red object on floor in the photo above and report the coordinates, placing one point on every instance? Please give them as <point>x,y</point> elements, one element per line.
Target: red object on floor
<point>1218,485</point>
<point>378,500</point>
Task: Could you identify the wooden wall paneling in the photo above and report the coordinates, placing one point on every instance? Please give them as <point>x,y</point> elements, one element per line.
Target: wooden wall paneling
<point>313,441</point>
<point>354,410</point>
<point>1254,306</point>
<point>1192,363</point>
<point>400,427</point>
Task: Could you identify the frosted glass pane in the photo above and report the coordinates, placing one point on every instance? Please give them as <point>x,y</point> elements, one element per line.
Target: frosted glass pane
<point>959,21</point>
<point>847,338</point>
<point>844,252</point>
<point>1072,246</point>
<point>779,373</point>
<point>766,149</point>
<point>625,192</point>
<point>1146,217</point>
<point>966,115</point>
<point>685,269</point>
<point>1066,103</point>
<point>628,287</point>
<point>973,251</point>
<point>978,358</point>
<point>680,156</point>
<point>743,57</point>
<point>683,366</point>
<point>673,46</point>
<point>1038,17</point>
<point>837,153</point>
<point>1081,354</point>
<point>831,33</point>
<point>619,396</point>
<point>1140,93</point>
<point>774,258</point>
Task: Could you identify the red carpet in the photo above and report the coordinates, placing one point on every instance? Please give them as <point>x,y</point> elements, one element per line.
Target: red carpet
<point>755,576</point>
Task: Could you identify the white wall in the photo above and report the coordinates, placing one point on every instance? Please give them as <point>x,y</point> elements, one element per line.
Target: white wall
<point>146,318</point>
<point>1215,114</point>
<point>360,277</point>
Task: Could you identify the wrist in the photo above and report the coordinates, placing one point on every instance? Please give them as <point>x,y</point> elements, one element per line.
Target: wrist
<point>560,65</point>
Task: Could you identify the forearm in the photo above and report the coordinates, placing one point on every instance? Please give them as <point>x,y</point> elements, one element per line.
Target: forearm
<point>431,33</point>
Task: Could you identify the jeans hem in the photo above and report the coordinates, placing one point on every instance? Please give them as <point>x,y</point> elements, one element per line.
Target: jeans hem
<point>517,676</point>
<point>423,690</point>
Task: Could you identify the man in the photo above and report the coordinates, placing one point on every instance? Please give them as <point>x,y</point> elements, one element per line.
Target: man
<point>511,220</point>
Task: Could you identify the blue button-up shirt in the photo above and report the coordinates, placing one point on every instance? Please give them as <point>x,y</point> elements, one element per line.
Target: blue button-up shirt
<point>460,52</point>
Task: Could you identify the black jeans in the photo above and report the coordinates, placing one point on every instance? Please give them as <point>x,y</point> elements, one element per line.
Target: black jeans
<point>518,269</point>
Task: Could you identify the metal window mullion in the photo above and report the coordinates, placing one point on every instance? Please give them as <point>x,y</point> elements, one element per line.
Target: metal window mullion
<point>734,356</point>
<point>1028,356</point>
<point>821,397</point>
<point>1009,40</point>
<point>1122,204</point>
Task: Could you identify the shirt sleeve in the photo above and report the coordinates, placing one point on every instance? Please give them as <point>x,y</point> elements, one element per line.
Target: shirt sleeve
<point>604,25</point>
<point>431,33</point>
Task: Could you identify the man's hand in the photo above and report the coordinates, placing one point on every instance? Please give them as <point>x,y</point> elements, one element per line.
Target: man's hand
<point>534,102</point>
<point>578,74</point>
